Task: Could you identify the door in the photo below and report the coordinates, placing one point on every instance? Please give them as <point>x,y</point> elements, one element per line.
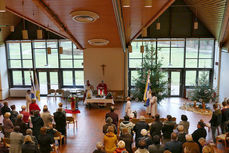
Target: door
<point>175,83</point>
<point>53,80</point>
<point>43,82</point>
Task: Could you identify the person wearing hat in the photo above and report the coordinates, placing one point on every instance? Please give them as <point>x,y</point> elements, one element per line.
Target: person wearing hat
<point>99,148</point>
<point>190,144</point>
<point>141,124</point>
<point>120,147</point>
<point>181,134</point>
<point>33,106</point>
<point>200,132</point>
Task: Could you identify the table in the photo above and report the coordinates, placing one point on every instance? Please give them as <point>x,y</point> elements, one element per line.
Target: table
<point>99,101</point>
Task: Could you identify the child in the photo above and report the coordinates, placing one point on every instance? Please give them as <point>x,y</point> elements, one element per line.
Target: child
<point>28,99</point>
<point>128,107</point>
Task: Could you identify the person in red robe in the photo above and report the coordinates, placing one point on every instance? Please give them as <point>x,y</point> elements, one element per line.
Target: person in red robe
<point>102,86</point>
<point>33,106</point>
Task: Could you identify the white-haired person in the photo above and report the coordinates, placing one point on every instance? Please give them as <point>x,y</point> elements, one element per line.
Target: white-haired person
<point>7,124</point>
<point>25,114</point>
<point>191,145</point>
<point>146,137</point>
<point>181,134</point>
<point>29,146</point>
<point>99,148</point>
<point>30,133</point>
<point>141,124</point>
<point>46,116</point>
<point>120,147</point>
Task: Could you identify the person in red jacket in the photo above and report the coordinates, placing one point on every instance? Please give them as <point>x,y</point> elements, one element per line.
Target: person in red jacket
<point>33,106</point>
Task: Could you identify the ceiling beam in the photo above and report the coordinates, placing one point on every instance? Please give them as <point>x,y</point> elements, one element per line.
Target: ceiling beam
<point>34,22</point>
<point>56,20</point>
<point>162,10</point>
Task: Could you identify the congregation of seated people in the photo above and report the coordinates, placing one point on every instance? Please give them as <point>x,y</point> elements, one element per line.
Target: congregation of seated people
<point>161,135</point>
<point>31,131</point>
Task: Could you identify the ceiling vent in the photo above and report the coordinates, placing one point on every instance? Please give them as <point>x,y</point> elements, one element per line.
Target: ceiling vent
<point>84,16</point>
<point>98,42</point>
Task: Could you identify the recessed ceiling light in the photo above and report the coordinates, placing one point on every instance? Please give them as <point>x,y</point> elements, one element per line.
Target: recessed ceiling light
<point>84,16</point>
<point>98,42</point>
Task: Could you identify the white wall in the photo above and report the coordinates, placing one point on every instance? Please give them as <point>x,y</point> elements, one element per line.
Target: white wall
<point>224,77</point>
<point>4,86</point>
<point>113,58</point>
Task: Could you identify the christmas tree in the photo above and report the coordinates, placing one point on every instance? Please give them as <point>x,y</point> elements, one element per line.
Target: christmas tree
<point>158,85</point>
<point>204,91</point>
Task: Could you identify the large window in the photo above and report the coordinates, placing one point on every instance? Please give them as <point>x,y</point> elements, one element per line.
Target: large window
<point>190,56</point>
<point>26,57</point>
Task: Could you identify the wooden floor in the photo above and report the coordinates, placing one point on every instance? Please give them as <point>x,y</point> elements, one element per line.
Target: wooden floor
<point>90,121</point>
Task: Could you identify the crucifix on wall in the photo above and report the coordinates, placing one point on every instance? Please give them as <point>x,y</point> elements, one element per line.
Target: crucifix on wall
<point>103,68</point>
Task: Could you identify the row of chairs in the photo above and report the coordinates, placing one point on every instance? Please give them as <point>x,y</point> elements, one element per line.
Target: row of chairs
<point>55,93</point>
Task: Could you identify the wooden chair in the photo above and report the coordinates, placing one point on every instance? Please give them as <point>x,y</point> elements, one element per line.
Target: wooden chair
<point>71,120</point>
<point>59,137</point>
<point>59,93</point>
<point>51,93</point>
<point>6,142</point>
<point>223,138</point>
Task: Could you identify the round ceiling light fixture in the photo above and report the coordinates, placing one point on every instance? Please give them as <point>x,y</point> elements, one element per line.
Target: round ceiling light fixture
<point>98,42</point>
<point>84,16</point>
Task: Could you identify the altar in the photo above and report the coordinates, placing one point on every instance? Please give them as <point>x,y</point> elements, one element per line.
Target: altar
<point>98,100</point>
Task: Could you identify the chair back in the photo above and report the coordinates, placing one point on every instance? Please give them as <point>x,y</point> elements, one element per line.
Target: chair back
<point>70,119</point>
<point>59,91</point>
<point>50,91</point>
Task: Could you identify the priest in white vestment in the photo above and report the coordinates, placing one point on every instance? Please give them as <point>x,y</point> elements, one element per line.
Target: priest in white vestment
<point>153,104</point>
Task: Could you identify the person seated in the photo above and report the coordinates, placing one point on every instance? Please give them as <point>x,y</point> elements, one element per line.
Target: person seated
<point>46,116</point>
<point>181,134</point>
<point>25,114</point>
<point>184,121</point>
<point>156,147</point>
<point>141,124</point>
<point>200,132</point>
<point>113,115</point>
<point>190,144</point>
<point>144,135</point>
<point>102,89</point>
<point>19,122</point>
<point>174,145</point>
<point>88,90</point>
<point>156,126</point>
<point>37,123</point>
<point>60,120</point>
<point>30,133</point>
<point>5,108</point>
<point>45,141</point>
<point>127,138</point>
<point>7,125</point>
<point>29,146</point>
<point>14,113</point>
<point>167,128</point>
<point>141,147</point>
<point>16,140</point>
<point>120,147</point>
<point>110,140</point>
<point>127,124</point>
<point>109,123</point>
<point>99,148</point>
<point>33,107</point>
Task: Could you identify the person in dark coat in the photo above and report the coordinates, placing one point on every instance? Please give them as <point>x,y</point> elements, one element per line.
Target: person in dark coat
<point>156,126</point>
<point>109,123</point>
<point>113,115</point>
<point>167,128</point>
<point>45,141</point>
<point>29,146</point>
<point>192,146</point>
<point>225,118</point>
<point>30,133</point>
<point>127,138</point>
<point>37,124</point>
<point>200,132</point>
<point>174,146</point>
<point>19,122</point>
<point>5,108</point>
<point>14,114</point>
<point>60,120</point>
<point>156,147</point>
<point>215,120</point>
<point>141,124</point>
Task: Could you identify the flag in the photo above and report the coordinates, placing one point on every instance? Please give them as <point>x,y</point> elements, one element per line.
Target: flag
<point>37,87</point>
<point>33,91</point>
<point>147,89</point>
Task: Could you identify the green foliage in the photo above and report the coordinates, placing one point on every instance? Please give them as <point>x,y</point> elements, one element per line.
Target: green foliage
<point>204,91</point>
<point>158,85</point>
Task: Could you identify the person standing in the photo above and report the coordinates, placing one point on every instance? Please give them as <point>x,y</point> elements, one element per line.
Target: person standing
<point>5,108</point>
<point>37,123</point>
<point>88,90</point>
<point>16,140</point>
<point>225,118</point>
<point>110,140</point>
<point>215,120</point>
<point>14,114</point>
<point>28,99</point>
<point>200,132</point>
<point>102,86</point>
<point>156,126</point>
<point>184,121</point>
<point>153,104</point>
<point>29,146</point>
<point>33,106</point>
<point>45,141</point>
<point>128,107</point>
<point>113,115</point>
<point>60,120</point>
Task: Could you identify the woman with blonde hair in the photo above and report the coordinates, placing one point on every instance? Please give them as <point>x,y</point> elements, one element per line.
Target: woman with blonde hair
<point>110,140</point>
<point>29,146</point>
<point>7,124</point>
